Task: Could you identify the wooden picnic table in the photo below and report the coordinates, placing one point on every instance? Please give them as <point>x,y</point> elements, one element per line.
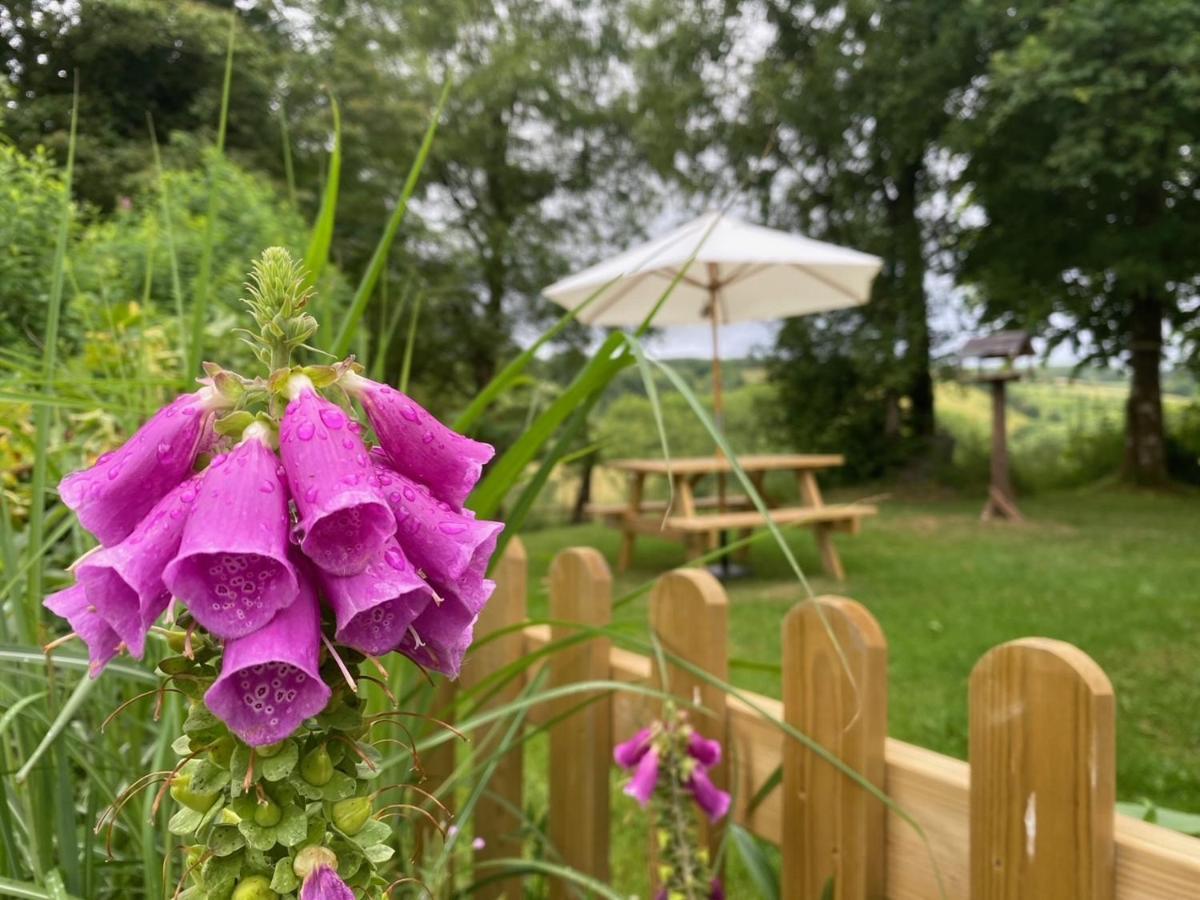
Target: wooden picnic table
<point>698,520</point>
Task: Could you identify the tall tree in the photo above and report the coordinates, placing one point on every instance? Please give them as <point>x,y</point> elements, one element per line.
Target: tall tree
<point>1084,155</point>
<point>862,92</point>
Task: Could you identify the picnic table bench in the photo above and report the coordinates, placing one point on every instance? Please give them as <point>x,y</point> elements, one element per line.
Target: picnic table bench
<point>689,521</point>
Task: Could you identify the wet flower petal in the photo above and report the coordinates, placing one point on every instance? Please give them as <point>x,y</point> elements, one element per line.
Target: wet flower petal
<point>125,582</point>
<point>704,751</point>
<point>628,754</point>
<point>270,681</point>
<point>324,884</point>
<point>374,608</point>
<point>417,444</point>
<point>115,494</point>
<point>232,569</point>
<point>710,798</point>
<point>344,519</point>
<point>645,778</point>
<point>102,642</point>
<point>447,545</point>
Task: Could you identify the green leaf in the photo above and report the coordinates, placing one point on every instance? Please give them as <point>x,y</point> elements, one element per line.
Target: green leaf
<point>284,879</point>
<point>185,821</point>
<point>281,765</point>
<point>293,829</point>
<point>200,719</point>
<point>207,777</point>
<point>373,832</point>
<point>377,854</point>
<point>762,873</point>
<point>220,873</point>
<point>339,787</point>
<point>225,840</point>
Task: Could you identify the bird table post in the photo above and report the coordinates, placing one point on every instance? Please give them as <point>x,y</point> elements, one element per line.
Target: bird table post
<point>1007,346</point>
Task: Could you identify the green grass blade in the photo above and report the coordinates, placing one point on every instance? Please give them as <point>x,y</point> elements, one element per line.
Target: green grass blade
<point>366,287</point>
<point>164,200</point>
<point>11,888</point>
<point>762,873</point>
<point>42,415</point>
<point>285,142</point>
<point>410,342</point>
<point>384,344</point>
<point>316,257</point>
<point>64,717</point>
<point>204,275</point>
<point>540,867</point>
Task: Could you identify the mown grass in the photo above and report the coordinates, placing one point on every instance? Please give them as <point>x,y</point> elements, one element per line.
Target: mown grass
<point>1115,573</point>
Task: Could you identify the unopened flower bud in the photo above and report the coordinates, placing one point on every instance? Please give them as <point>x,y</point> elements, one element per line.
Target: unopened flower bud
<point>351,815</point>
<point>317,767</point>
<point>312,858</point>
<point>256,887</point>
<point>268,814</point>
<point>181,790</point>
<point>266,751</point>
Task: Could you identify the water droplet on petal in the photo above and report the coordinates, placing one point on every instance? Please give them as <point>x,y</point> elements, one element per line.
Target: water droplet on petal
<point>114,473</point>
<point>427,437</point>
<point>310,495</point>
<point>306,431</point>
<point>451,527</point>
<point>333,418</point>
<point>354,427</point>
<point>394,496</point>
<point>350,479</point>
<point>394,558</point>
<point>267,487</point>
<point>348,443</point>
<point>409,494</point>
<point>164,449</point>
<point>360,459</point>
<point>409,412</point>
<point>189,410</point>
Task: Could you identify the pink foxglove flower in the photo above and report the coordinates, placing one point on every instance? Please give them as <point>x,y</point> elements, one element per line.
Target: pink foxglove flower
<point>270,679</point>
<point>324,884</point>
<point>375,608</point>
<point>124,582</point>
<point>115,494</point>
<point>640,755</point>
<point>102,642</point>
<point>439,638</point>
<point>232,569</point>
<point>417,444</point>
<point>344,521</point>
<point>710,798</point>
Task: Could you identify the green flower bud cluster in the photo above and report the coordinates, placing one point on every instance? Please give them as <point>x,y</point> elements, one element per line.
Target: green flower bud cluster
<point>684,867</point>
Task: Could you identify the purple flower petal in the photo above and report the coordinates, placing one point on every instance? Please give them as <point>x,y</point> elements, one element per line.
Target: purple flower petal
<point>270,680</point>
<point>439,638</point>
<point>102,642</point>
<point>628,754</point>
<point>704,751</point>
<point>125,582</point>
<point>710,798</point>
<point>343,517</point>
<point>716,890</point>
<point>115,494</point>
<point>232,570</point>
<point>645,778</point>
<point>324,884</point>
<point>417,444</point>
<point>444,543</point>
<point>375,607</point>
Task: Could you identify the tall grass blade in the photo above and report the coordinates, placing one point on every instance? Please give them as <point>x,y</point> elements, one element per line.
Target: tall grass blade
<point>42,415</point>
<point>285,141</point>
<point>316,257</point>
<point>61,721</point>
<point>204,275</point>
<point>366,287</point>
<point>411,341</point>
<point>11,888</point>
<point>164,200</point>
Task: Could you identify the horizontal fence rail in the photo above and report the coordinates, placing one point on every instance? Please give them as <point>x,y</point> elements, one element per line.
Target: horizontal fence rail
<point>1031,816</point>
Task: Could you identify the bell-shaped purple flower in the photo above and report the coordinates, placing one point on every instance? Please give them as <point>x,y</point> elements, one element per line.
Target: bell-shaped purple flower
<point>439,638</point>
<point>102,642</point>
<point>706,752</point>
<point>449,546</point>
<point>645,778</point>
<point>324,884</point>
<point>710,798</point>
<point>270,679</point>
<point>344,520</point>
<point>115,494</point>
<point>375,608</point>
<point>629,753</point>
<point>417,444</point>
<point>124,582</point>
<point>232,569</point>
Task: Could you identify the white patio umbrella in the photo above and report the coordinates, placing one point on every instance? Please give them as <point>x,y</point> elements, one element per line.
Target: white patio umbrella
<point>735,272</point>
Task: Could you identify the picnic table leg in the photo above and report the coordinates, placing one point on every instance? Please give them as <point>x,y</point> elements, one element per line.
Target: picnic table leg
<point>637,482</point>
<point>830,561</point>
<point>810,491</point>
<point>742,554</point>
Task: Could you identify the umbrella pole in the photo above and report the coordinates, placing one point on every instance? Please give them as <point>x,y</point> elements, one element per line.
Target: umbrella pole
<point>718,399</point>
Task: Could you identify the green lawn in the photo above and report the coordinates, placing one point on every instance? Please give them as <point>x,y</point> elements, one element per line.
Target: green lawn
<point>1117,574</point>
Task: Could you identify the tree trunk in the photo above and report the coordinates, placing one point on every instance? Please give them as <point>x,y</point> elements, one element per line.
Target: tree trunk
<point>912,307</point>
<point>584,497</point>
<point>1145,440</point>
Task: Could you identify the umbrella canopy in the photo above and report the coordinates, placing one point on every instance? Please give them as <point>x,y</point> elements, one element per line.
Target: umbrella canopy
<point>735,272</point>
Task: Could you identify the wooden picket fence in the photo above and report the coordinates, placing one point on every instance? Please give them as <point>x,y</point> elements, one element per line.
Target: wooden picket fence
<point>1031,816</point>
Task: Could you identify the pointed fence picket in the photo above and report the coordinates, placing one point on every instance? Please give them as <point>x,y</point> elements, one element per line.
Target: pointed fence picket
<point>1031,816</point>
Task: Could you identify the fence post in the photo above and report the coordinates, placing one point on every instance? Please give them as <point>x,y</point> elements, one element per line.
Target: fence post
<point>834,691</point>
<point>1043,774</point>
<point>689,613</point>
<point>581,744</point>
<point>497,816</point>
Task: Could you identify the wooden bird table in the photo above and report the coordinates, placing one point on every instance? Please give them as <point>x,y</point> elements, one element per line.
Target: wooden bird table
<point>697,520</point>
